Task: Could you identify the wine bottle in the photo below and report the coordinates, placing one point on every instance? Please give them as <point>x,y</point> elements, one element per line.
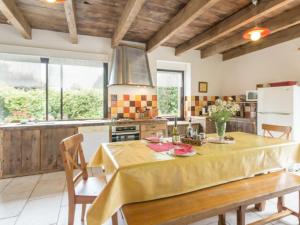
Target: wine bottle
<point>175,134</point>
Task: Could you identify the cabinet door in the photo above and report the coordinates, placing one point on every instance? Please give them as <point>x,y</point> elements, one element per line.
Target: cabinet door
<point>11,143</point>
<point>210,127</point>
<point>50,139</point>
<point>31,151</point>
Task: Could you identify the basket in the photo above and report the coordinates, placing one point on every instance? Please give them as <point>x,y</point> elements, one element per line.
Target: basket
<point>192,141</point>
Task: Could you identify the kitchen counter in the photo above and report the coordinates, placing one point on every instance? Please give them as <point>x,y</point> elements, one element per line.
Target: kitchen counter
<point>181,123</point>
<point>79,123</point>
<point>32,148</point>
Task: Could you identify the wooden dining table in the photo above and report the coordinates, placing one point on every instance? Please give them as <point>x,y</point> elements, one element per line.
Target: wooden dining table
<point>137,173</point>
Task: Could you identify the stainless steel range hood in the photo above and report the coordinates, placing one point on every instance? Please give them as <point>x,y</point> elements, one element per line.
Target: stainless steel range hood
<point>130,66</point>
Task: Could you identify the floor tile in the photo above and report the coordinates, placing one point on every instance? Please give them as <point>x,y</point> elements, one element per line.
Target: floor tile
<point>48,188</point>
<point>63,217</point>
<point>4,183</point>
<point>231,217</point>
<point>54,176</point>
<point>8,221</point>
<point>64,201</point>
<point>40,212</point>
<point>21,184</point>
<point>12,204</point>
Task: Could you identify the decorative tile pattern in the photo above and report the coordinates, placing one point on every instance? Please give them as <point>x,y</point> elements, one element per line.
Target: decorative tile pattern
<point>129,106</point>
<point>193,104</point>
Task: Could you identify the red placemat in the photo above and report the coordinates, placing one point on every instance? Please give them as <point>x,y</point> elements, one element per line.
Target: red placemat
<point>163,147</point>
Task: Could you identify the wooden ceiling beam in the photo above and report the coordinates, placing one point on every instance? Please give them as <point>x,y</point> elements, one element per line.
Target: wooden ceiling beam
<point>236,21</point>
<point>15,17</point>
<point>129,14</point>
<point>190,12</point>
<point>70,12</point>
<point>285,20</point>
<point>274,39</point>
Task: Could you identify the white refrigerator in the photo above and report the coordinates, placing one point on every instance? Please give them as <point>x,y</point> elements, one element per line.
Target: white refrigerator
<point>279,106</point>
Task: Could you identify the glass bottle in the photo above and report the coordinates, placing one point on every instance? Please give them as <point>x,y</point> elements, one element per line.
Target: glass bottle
<point>190,130</point>
<point>175,134</point>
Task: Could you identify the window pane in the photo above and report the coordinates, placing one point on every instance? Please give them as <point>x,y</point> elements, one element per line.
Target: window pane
<point>22,91</point>
<point>82,92</point>
<point>169,88</point>
<point>54,92</point>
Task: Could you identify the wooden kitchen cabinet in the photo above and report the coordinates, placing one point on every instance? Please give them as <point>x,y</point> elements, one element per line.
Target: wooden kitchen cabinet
<point>148,130</point>
<point>31,151</point>
<point>10,152</point>
<point>50,153</point>
<point>234,125</point>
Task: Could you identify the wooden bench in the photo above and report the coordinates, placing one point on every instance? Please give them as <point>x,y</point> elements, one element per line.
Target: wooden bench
<point>195,206</point>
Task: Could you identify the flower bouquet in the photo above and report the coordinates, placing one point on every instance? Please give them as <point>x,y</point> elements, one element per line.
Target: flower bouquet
<point>220,113</point>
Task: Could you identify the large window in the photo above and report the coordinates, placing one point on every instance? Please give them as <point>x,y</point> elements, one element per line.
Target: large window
<point>51,89</point>
<point>170,92</point>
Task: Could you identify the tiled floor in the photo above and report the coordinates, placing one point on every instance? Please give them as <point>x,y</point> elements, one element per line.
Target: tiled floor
<point>42,200</point>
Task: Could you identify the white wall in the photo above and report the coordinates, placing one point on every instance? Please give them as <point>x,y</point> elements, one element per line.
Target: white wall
<point>274,64</point>
<point>200,70</point>
<point>56,44</point>
<point>278,63</point>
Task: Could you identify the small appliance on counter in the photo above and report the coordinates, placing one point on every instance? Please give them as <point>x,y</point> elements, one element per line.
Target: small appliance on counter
<point>251,96</point>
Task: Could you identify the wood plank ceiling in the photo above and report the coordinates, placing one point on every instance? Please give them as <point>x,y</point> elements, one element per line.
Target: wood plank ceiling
<point>212,26</point>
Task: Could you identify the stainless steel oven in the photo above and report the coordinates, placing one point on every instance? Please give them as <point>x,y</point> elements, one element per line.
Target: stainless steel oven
<point>125,133</point>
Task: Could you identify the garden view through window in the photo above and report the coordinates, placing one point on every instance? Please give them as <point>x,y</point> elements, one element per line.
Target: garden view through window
<point>170,93</point>
<point>66,89</point>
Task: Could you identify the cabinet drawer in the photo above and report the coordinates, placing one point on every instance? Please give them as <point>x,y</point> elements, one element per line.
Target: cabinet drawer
<point>145,134</point>
<point>153,127</point>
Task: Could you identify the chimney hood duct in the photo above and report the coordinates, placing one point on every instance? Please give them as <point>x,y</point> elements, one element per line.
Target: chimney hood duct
<point>130,66</point>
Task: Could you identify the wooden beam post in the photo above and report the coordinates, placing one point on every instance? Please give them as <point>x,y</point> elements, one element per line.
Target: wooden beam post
<point>284,20</point>
<point>15,17</point>
<point>71,19</point>
<point>129,14</point>
<point>232,23</point>
<point>190,12</point>
<point>274,39</point>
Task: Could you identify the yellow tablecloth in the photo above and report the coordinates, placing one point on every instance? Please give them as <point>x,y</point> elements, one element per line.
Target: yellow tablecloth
<point>140,174</point>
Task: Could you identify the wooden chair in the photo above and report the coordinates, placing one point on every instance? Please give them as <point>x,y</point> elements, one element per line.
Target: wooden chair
<point>285,133</point>
<point>284,130</point>
<point>80,191</point>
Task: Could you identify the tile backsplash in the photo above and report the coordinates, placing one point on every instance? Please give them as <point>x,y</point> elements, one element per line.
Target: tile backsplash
<point>193,104</point>
<point>129,106</point>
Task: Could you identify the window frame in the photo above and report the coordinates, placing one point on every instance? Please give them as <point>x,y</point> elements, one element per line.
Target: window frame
<point>45,61</point>
<point>105,93</point>
<point>171,118</point>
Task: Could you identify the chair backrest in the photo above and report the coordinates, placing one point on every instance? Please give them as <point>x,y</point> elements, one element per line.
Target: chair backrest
<point>284,130</point>
<point>72,154</point>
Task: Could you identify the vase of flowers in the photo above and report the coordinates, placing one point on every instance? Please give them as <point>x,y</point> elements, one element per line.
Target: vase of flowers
<point>220,113</point>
